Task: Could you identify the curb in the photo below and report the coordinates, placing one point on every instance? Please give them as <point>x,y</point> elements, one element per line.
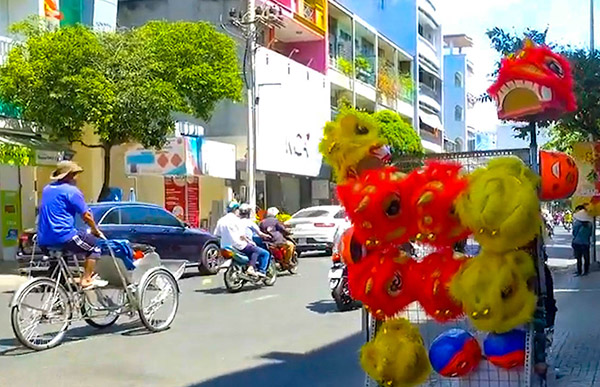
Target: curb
<point>10,282</point>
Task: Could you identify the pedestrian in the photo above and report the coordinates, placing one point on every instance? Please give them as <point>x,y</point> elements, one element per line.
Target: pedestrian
<point>582,233</point>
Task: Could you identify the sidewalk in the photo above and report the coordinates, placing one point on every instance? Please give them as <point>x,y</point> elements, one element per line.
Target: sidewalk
<point>9,276</point>
<point>575,353</point>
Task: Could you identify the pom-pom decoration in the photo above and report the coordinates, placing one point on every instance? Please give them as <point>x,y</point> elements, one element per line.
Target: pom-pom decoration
<point>494,292</point>
<point>353,138</point>
<point>436,272</point>
<point>349,249</point>
<point>396,357</point>
<point>501,206</point>
<point>436,187</point>
<point>506,350</point>
<point>454,353</point>
<point>534,84</point>
<point>378,205</point>
<point>382,283</point>
<point>560,175</point>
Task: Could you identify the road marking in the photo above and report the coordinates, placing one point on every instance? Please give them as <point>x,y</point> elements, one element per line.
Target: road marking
<point>262,298</point>
<point>206,281</point>
<point>576,290</point>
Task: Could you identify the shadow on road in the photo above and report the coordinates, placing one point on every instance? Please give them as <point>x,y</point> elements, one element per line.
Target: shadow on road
<point>11,347</point>
<point>322,307</point>
<point>332,365</point>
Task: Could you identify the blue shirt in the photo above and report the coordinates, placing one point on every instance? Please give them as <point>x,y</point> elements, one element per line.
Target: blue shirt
<point>61,203</point>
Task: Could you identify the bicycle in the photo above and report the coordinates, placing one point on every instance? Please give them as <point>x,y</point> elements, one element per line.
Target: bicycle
<point>58,300</point>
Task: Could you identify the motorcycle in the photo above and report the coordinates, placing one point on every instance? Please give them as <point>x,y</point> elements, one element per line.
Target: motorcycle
<point>278,254</point>
<point>338,283</point>
<point>236,275</point>
<point>338,276</point>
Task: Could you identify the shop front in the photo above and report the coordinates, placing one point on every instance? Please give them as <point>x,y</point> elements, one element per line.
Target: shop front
<point>26,161</point>
<point>192,173</point>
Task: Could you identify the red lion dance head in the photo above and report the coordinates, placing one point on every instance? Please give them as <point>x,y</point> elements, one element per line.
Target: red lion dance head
<point>535,83</point>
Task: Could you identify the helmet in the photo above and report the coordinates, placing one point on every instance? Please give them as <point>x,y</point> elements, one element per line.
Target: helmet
<point>245,209</point>
<point>272,212</point>
<point>232,206</point>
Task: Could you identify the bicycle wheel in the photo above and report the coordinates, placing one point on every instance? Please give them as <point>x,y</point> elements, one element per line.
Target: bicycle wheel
<point>159,300</point>
<point>103,307</point>
<point>41,314</point>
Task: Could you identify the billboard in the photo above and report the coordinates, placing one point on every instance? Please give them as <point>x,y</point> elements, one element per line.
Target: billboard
<point>587,158</point>
<point>294,106</point>
<point>179,157</point>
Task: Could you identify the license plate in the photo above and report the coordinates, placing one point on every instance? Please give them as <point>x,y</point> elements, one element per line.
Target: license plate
<point>336,274</point>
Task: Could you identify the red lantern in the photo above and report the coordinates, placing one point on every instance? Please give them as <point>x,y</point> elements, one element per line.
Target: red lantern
<point>559,175</point>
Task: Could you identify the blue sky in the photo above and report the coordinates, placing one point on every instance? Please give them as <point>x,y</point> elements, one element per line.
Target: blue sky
<point>568,22</point>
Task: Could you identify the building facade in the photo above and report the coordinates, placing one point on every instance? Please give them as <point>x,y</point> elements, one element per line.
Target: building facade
<point>292,90</point>
<point>414,27</point>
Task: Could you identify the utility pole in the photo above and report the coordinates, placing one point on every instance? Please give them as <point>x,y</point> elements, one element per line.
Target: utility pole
<point>251,157</point>
<point>592,47</point>
<point>248,22</point>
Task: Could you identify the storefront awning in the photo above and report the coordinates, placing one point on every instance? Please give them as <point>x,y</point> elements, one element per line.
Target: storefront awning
<point>46,152</point>
<point>430,120</point>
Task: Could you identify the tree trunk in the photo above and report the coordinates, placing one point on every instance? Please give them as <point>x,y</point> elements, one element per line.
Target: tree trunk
<point>106,177</point>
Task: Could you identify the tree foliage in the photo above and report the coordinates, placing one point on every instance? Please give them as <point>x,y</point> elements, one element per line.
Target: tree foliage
<point>124,84</point>
<point>12,154</point>
<point>400,135</point>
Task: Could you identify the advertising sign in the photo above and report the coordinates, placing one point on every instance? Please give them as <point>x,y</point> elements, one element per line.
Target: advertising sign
<point>218,159</point>
<point>294,106</point>
<point>182,198</point>
<point>11,217</point>
<point>587,158</point>
<point>180,157</point>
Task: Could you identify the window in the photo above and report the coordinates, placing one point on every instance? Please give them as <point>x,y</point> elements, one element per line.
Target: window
<point>148,216</point>
<point>340,215</point>
<point>458,79</point>
<point>112,217</point>
<point>458,113</point>
<point>311,214</point>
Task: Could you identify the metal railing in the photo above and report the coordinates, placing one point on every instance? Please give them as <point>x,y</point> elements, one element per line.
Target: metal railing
<point>430,92</point>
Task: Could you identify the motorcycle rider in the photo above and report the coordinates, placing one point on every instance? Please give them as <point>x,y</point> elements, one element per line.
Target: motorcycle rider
<point>61,202</point>
<point>254,234</point>
<point>278,232</point>
<point>232,233</point>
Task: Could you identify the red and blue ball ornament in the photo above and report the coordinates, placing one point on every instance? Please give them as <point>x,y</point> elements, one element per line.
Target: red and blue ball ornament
<point>506,350</point>
<point>454,353</point>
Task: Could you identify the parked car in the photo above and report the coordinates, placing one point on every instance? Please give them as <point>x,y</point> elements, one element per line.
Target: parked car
<point>314,228</point>
<point>146,224</point>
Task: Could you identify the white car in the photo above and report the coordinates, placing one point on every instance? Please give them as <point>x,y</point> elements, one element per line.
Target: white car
<point>314,228</point>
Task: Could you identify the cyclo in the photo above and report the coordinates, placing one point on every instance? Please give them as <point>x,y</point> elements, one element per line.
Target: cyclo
<point>43,308</point>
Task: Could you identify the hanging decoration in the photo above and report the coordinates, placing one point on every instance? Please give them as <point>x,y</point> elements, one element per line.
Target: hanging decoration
<point>533,84</point>
<point>454,353</point>
<point>396,357</point>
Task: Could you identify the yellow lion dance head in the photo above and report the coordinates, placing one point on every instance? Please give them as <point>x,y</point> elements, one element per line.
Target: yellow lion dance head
<point>501,206</point>
<point>494,291</point>
<point>396,357</point>
<point>349,141</point>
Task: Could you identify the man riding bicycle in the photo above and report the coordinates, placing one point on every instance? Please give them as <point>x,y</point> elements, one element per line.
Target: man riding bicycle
<point>61,202</point>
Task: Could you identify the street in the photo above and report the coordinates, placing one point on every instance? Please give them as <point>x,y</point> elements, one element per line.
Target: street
<point>286,335</point>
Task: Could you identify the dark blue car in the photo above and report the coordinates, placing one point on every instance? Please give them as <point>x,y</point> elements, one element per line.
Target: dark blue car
<point>151,225</point>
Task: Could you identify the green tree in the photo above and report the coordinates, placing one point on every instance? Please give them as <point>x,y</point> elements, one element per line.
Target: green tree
<point>125,85</point>
<point>401,137</point>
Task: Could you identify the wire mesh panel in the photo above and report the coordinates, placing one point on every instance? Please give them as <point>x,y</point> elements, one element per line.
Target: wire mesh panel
<point>486,374</point>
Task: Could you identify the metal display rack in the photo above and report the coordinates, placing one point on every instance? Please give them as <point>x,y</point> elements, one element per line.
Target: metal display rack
<point>486,374</point>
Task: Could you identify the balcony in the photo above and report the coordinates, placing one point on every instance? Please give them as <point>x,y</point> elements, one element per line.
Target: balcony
<point>5,46</point>
<point>312,13</point>
<point>430,97</point>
